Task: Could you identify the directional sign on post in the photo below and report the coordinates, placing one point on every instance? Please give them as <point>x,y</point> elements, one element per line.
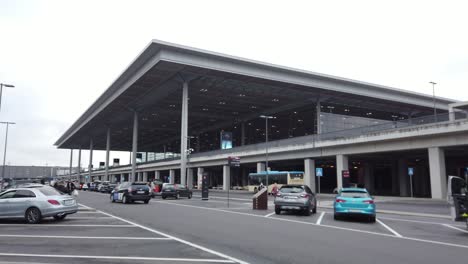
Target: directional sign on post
<point>410,171</point>
<point>319,172</point>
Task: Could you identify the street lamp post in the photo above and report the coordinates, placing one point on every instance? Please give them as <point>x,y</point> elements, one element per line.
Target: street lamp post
<point>434,100</point>
<point>4,153</point>
<point>1,91</point>
<point>266,145</point>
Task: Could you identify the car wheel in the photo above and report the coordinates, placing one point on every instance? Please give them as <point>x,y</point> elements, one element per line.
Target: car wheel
<point>189,196</point>
<point>146,201</point>
<point>314,211</point>
<point>336,217</point>
<point>372,219</point>
<point>164,197</point>
<point>33,215</point>
<point>307,211</point>
<point>59,217</point>
<point>112,198</point>
<point>277,211</point>
<point>124,199</point>
<point>177,196</point>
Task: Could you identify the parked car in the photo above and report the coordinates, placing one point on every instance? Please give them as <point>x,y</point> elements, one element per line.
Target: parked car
<point>295,198</point>
<point>129,192</point>
<point>354,201</point>
<point>35,202</point>
<point>94,186</point>
<point>108,188</point>
<point>102,186</point>
<point>176,191</point>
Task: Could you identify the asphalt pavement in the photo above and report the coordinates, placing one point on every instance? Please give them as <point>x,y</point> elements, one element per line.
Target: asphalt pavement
<point>194,231</point>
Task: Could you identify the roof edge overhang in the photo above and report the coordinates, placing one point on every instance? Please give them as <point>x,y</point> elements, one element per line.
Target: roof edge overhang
<point>164,51</point>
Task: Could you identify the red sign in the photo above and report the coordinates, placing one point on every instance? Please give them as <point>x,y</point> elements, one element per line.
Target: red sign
<point>345,173</point>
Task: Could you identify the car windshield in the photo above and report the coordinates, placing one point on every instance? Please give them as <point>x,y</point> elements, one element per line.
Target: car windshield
<point>355,194</point>
<point>291,189</point>
<point>49,191</point>
<point>169,187</point>
<point>142,186</point>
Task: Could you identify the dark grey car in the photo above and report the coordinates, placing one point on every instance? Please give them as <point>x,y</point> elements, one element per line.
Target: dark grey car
<point>295,198</point>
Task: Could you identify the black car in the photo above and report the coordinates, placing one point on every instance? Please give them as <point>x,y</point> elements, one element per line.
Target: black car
<point>176,191</point>
<point>129,192</point>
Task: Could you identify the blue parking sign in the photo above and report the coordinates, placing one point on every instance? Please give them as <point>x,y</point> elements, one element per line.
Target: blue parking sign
<point>410,171</point>
<point>319,172</point>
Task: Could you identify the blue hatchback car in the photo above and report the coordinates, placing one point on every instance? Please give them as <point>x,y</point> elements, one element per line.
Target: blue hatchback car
<point>354,201</point>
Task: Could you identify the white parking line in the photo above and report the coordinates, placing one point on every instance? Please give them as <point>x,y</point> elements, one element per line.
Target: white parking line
<point>231,259</point>
<point>319,220</point>
<point>456,228</point>
<point>87,207</point>
<point>416,221</point>
<point>89,217</point>
<point>67,225</point>
<point>388,228</point>
<point>268,215</point>
<point>88,237</point>
<point>116,258</point>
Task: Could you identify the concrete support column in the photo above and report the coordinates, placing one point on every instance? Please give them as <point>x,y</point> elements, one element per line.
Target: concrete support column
<point>79,165</point>
<point>242,133</point>
<point>134,146</point>
<point>90,165</point>
<point>438,173</point>
<point>395,178</point>
<point>369,177</point>
<point>403,177</point>
<point>190,178</point>
<point>341,165</point>
<point>451,113</point>
<point>157,175</point>
<point>309,173</point>
<point>319,124</point>
<point>172,176</point>
<point>108,142</point>
<point>122,177</point>
<point>145,176</point>
<point>260,167</point>
<point>199,177</point>
<point>71,163</point>
<point>226,177</point>
<point>183,134</point>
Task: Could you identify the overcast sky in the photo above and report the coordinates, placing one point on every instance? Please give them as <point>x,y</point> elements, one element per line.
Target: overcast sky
<point>61,55</point>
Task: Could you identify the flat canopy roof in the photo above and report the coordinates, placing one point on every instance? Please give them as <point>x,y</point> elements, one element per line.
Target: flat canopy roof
<point>222,90</point>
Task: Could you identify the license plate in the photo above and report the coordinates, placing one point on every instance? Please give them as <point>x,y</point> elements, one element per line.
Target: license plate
<point>290,197</point>
<point>69,202</point>
<point>354,210</point>
<point>140,192</point>
<point>290,207</point>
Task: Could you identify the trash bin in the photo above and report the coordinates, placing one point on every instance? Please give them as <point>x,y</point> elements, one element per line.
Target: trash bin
<point>260,200</point>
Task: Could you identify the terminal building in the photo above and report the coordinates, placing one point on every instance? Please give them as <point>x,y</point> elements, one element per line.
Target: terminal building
<point>188,110</point>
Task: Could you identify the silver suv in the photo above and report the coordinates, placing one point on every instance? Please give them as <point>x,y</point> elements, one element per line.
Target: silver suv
<point>295,198</point>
